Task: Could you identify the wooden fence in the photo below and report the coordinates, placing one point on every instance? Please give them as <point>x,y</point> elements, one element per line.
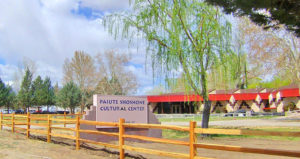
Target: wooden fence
<point>50,122</point>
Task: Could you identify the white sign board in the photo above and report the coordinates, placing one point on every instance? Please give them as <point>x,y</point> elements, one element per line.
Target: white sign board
<point>112,108</point>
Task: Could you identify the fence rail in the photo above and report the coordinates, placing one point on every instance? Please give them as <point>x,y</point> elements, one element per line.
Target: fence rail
<point>48,121</point>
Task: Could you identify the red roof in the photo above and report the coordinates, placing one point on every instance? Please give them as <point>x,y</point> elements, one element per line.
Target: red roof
<point>264,95</point>
<point>220,95</point>
<point>174,98</point>
<point>293,92</point>
<point>270,108</point>
<point>245,96</point>
<point>187,98</point>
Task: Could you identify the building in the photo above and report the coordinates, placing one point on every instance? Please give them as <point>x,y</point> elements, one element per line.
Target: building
<point>225,101</point>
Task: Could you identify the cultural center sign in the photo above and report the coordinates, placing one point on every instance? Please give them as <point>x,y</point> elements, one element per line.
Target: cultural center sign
<point>112,108</point>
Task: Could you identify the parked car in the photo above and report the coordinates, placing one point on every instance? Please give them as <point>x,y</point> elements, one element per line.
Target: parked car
<point>62,112</point>
<point>31,111</point>
<point>19,111</point>
<point>240,111</point>
<point>49,112</point>
<point>37,112</point>
<point>7,111</point>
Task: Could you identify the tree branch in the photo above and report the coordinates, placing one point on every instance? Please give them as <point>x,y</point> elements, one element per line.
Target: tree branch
<point>187,32</point>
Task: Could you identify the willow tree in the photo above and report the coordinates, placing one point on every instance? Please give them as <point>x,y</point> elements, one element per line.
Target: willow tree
<point>180,34</point>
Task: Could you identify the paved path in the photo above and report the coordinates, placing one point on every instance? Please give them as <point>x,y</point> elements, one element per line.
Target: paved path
<point>244,123</point>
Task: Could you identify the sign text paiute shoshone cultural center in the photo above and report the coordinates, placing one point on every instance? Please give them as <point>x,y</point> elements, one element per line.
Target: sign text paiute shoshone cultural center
<point>112,108</point>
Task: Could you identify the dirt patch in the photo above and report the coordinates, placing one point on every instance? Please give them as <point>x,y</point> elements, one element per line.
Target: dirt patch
<point>245,142</point>
<point>16,146</point>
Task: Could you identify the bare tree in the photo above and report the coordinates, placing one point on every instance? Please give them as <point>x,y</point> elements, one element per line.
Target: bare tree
<point>289,61</point>
<point>271,53</point>
<point>81,69</point>
<point>116,78</point>
<point>30,64</point>
<point>26,63</point>
<point>261,48</point>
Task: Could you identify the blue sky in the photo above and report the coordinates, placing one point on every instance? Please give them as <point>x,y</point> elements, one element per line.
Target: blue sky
<point>2,61</point>
<point>49,31</point>
<point>87,12</point>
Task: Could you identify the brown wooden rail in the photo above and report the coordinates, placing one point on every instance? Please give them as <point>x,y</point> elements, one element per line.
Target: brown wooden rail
<point>45,128</point>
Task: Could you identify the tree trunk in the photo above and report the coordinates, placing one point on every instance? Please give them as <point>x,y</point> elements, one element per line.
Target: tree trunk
<point>82,107</point>
<point>206,113</point>
<point>82,102</point>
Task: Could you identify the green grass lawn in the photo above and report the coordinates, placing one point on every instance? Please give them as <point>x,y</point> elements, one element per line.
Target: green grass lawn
<point>19,119</point>
<point>281,129</point>
<point>174,134</point>
<point>213,118</point>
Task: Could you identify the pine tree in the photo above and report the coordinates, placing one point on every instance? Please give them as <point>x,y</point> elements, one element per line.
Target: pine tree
<point>55,91</point>
<point>69,96</point>
<point>267,13</point>
<point>48,93</point>
<point>37,89</point>
<point>2,93</point>
<point>25,95</point>
<point>7,95</point>
<point>10,98</point>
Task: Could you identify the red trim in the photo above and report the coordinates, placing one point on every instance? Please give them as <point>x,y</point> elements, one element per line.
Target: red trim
<point>219,97</point>
<point>245,96</point>
<point>264,96</point>
<point>186,98</point>
<point>270,108</point>
<point>292,92</point>
<point>174,98</point>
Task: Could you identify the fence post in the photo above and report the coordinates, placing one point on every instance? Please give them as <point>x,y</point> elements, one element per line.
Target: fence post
<point>49,129</point>
<point>65,119</point>
<point>28,125</point>
<point>193,138</point>
<point>1,120</point>
<point>121,139</point>
<point>13,122</point>
<point>77,133</point>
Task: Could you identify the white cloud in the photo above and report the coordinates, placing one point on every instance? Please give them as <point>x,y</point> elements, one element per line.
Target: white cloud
<point>7,72</point>
<point>47,32</point>
<point>44,69</point>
